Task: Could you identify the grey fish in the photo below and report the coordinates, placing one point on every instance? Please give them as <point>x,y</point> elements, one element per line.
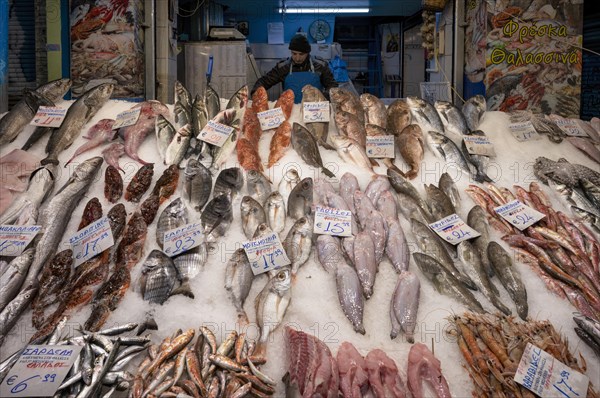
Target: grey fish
<point>509,277</point>
<point>158,277</point>
<point>12,279</point>
<point>425,114</point>
<point>258,185</point>
<point>175,215</point>
<point>469,256</point>
<point>410,209</point>
<point>351,152</point>
<point>480,162</point>
<point>179,145</point>
<point>37,135</point>
<point>221,154</point>
<point>329,252</point>
<point>375,111</point>
<point>188,265</point>
<point>321,188</point>
<point>452,118</point>
<point>398,116</point>
<point>448,150</point>
<point>271,305</point>
<point>164,134</point>
<point>298,242</point>
<point>473,110</point>
<point>79,113</point>
<point>229,182</point>
<point>305,144</point>
<point>586,146</point>
<point>350,295</point>
<point>197,184</point>
<point>376,226</point>
<point>440,205</point>
<point>239,99</point>
<point>477,219</point>
<point>446,184</point>
<point>213,103</point>
<point>592,192</point>
<point>216,217</point>
<point>252,214</point>
<point>289,180</point>
<point>238,282</point>
<point>14,309</point>
<point>199,115</point>
<point>590,326</point>
<point>349,185</point>
<point>503,85</point>
<point>182,95</point>
<point>376,186</point>
<point>301,199</point>
<point>318,129</point>
<point>446,284</point>
<point>396,247</point>
<point>275,209</point>
<point>182,114</point>
<point>364,262</point>
<point>404,305</point>
<point>363,206</point>
<point>403,186</point>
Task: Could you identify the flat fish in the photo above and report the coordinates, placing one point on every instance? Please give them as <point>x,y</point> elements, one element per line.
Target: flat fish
<point>113,184</point>
<point>175,215</point>
<point>159,277</point>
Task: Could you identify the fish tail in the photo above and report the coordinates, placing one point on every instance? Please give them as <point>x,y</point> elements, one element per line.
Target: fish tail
<point>327,172</point>
<point>49,160</point>
<point>184,289</point>
<point>411,174</point>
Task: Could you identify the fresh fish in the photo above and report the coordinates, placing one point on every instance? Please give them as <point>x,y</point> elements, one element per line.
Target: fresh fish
<point>259,187</point>
<point>350,294</point>
<point>448,150</point>
<point>239,99</point>
<point>423,366</point>
<point>477,219</point>
<point>229,182</point>
<point>260,100</point>
<point>288,182</point>
<point>321,189</point>
<point>386,205</point>
<point>347,101</point>
<point>166,184</point>
<point>375,112</point>
<point>452,118</point>
<point>216,217</point>
<point>410,144</point>
<point>12,279</point>
<point>248,156</point>
<point>446,184</point>
<point>175,215</point>
<point>384,378</point>
<point>188,265</point>
<point>349,185</point>
<point>440,205</point>
<point>364,262</point>
<point>402,186</point>
<point>318,129</point>
<point>92,212</point>
<point>98,134</point>
<point>140,183</point>
<point>112,153</point>
<point>271,305</point>
<point>113,185</point>
<point>350,126</point>
<point>298,243</point>
<point>363,206</point>
<point>351,151</point>
<point>398,116</point>
<point>592,192</point>
<point>164,134</point>
<point>116,218</point>
<point>424,114</point>
<point>405,305</point>
<point>279,143</point>
<point>586,146</point>
<point>304,143</point>
<point>37,135</point>
<point>178,146</point>
<point>300,200</point>
<point>252,214</point>
<point>183,114</point>
<point>213,103</point>
<point>158,277</point>
<point>509,277</point>
<point>238,281</point>
<point>446,284</point>
<point>197,184</point>
<point>79,113</point>
<point>473,110</point>
<point>199,115</point>
<point>131,247</point>
<point>329,252</point>
<point>480,162</point>
<point>251,126</point>
<point>376,226</point>
<point>275,211</point>
<point>221,154</point>
<point>108,297</point>
<point>335,201</point>
<point>396,247</point>
<point>261,231</point>
<point>182,95</point>
<point>149,208</point>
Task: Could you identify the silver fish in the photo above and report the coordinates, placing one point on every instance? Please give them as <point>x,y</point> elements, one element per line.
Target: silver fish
<point>223,153</point>
<point>480,162</point>
<point>404,305</point>
<point>182,113</point>
<point>349,185</point>
<point>446,184</point>
<point>238,281</point>
<point>300,199</point>
<point>298,242</point>
<point>410,209</point>
<point>376,226</point>
<point>363,206</point>
<point>448,150</point>
<point>239,99</point>
<point>10,314</point>
<point>182,95</point>
<point>351,152</point>
<point>425,114</point>
<point>350,295</point>
<point>452,118</point>
<point>252,214</point>
<point>402,186</point>
<point>275,209</point>
<point>216,217</point>
<point>329,252</point>
<point>306,146</point>
<point>199,115</point>
<point>213,103</point>
<point>586,146</point>
<point>229,182</point>
<point>477,219</point>
<point>175,215</point>
<point>188,265</point>
<point>178,146</point>
<point>440,205</point>
<point>376,186</point>
<point>271,305</point>
<point>288,182</point>
<point>396,247</point>
<point>164,134</point>
<point>158,277</point>
<point>364,262</point>
<point>197,184</point>
<point>12,279</point>
<point>592,192</point>
<point>258,186</point>
<point>509,277</point>
<point>473,110</point>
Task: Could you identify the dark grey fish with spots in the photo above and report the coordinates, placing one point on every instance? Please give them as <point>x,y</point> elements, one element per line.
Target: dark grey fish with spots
<point>440,205</point>
<point>402,185</point>
<point>509,277</point>
<point>477,219</point>
<point>175,215</point>
<point>159,277</point>
<point>197,184</point>
<point>229,182</point>
<point>216,217</point>
<point>301,199</point>
<point>446,184</point>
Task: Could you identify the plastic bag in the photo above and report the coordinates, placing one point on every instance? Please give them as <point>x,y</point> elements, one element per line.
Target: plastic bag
<point>338,68</point>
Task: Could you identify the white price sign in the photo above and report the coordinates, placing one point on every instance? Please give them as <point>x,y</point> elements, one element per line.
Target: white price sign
<point>271,119</point>
<point>315,111</point>
<point>479,145</point>
<point>380,146</point>
<point>519,214</point>
<point>453,229</point>
<point>547,377</point>
<point>524,131</point>
<point>570,127</point>
<point>14,238</point>
<point>49,116</point>
<point>330,221</point>
<point>215,133</point>
<point>127,118</point>
<point>92,240</point>
<point>39,371</point>
<point>265,254</point>
<point>182,239</point>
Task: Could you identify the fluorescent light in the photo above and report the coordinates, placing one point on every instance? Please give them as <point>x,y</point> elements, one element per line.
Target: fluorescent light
<point>324,10</point>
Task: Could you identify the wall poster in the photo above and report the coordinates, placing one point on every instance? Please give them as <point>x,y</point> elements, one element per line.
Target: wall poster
<point>107,45</point>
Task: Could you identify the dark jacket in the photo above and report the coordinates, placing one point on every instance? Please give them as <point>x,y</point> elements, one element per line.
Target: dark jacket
<point>282,69</point>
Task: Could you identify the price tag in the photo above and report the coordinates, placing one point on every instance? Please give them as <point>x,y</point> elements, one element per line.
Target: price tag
<point>127,118</point>
<point>14,238</point>
<point>570,127</point>
<point>90,241</point>
<point>182,239</point>
<point>265,254</point>
<point>380,146</point>
<point>479,145</point>
<point>453,229</point>
<point>49,116</point>
<point>547,377</point>
<point>524,131</point>
<point>39,371</point>
<point>316,112</point>
<point>215,133</point>
<point>330,221</point>
<point>518,214</point>
<point>271,119</point>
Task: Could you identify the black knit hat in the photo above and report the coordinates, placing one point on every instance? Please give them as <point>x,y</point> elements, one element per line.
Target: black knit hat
<point>299,43</point>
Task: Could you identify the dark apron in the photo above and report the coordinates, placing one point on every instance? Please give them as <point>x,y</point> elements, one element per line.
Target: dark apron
<point>295,81</point>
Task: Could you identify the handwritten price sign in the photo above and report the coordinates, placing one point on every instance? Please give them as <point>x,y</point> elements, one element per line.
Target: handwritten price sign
<point>92,240</point>
<point>265,254</point>
<point>215,133</point>
<point>315,112</point>
<point>524,131</point>
<point>49,116</point>
<point>14,239</point>
<point>570,127</point>
<point>547,377</point>
<point>330,221</point>
<point>518,214</point>
<point>39,371</point>
<point>380,146</point>
<point>182,239</point>
<point>453,229</point>
<point>270,119</point>
<point>479,145</point>
<point>127,118</point>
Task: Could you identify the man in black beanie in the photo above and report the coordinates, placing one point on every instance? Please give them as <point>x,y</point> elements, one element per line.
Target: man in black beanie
<point>299,70</point>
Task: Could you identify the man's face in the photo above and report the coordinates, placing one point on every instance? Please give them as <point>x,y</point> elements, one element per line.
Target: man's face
<point>299,57</point>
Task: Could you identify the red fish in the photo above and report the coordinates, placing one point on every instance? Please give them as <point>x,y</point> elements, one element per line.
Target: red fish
<point>280,142</point>
<point>248,155</point>
<point>260,100</point>
<point>286,102</point>
<point>251,128</point>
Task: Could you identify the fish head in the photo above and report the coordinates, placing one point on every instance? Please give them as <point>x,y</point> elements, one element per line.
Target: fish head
<point>306,185</point>
<point>374,130</point>
<point>261,230</point>
<point>248,204</point>
<point>274,199</point>
<point>291,175</point>
<point>415,103</point>
<point>442,105</point>
<point>282,280</point>
<point>340,142</point>
<point>479,101</point>
<point>87,169</point>
<point>436,137</point>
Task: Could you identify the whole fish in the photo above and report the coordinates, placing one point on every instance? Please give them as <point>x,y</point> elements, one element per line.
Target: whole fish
<point>473,110</point>
<point>239,99</point>
<point>79,113</point>
<point>306,146</point>
<point>175,215</point>
<point>158,277</point>
<point>364,262</point>
<point>221,154</point>
<point>351,151</point>
<point>178,146</point>
<point>183,114</point>
<point>477,219</point>
<point>286,103</point>
<point>238,281</point>
<point>275,209</point>
<point>12,279</point>
<point>98,134</point>
<point>182,95</point>
<point>410,209</point>
<point>216,217</point>
<point>248,156</point>
<point>197,184</point>
<point>108,297</point>
<point>404,305</point>
<point>229,182</point>
<point>288,182</point>
<point>396,247</point>
<point>509,277</point>
<point>140,183</point>
<point>376,226</point>
<point>398,116</point>
<point>375,112</point>
<point>452,118</point>
<point>258,186</point>
<point>251,127</point>
<point>213,103</point>
<point>446,184</point>
<point>113,184</point>
<point>199,115</point>
<point>448,150</point>
<point>252,214</point>
<point>131,246</point>
<point>149,208</point>
<point>280,142</point>
<point>347,101</point>
<point>440,205</point>
<point>350,294</point>
<point>166,184</point>
<point>480,162</point>
<point>164,134</point>
<point>586,146</point>
<point>424,114</point>
<point>351,126</point>
<point>112,153</point>
<point>386,205</point>
<point>403,186</point>
<point>349,185</point>
<point>318,129</point>
<point>329,252</point>
<point>363,206</point>
<point>410,144</point>
<point>260,100</point>
<point>188,265</point>
<point>298,243</point>
<point>300,200</point>
<point>321,188</point>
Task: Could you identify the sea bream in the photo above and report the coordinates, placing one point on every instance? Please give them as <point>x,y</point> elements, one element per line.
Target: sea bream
<point>238,281</point>
<point>252,214</point>
<point>452,118</point>
<point>197,184</point>
<point>306,146</point>
<point>216,217</point>
<point>298,243</point>
<point>271,304</point>
<point>473,110</point>
<point>159,277</point>
<point>275,210</point>
<point>175,215</point>
<point>424,114</point>
<point>318,129</point>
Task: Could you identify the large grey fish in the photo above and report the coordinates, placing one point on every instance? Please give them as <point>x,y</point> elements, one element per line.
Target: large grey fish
<point>213,103</point>
<point>179,145</point>
<point>375,112</point>
<point>216,217</point>
<point>182,95</point>
<point>300,200</point>
<point>349,185</point>
<point>12,279</point>
<point>403,186</point>
<point>592,192</point>
<point>563,172</point>
<point>175,215</point>
<point>425,115</point>
<point>79,113</point>
<point>290,179</point>
<point>21,113</point>
<point>182,114</point>
<point>446,284</point>
<point>258,185</point>
<point>509,277</point>
<point>446,184</point>
<point>298,242</point>
<point>238,281</point>
<point>318,129</point>
<point>350,294</point>
<point>351,152</point>
<point>188,265</point>
<point>477,219</point>
<point>52,220</point>
<point>305,144</point>
<point>387,206</point>
<point>199,115</point>
<point>473,110</point>
<point>440,205</point>
<point>252,214</point>
<point>164,134</point>
<point>275,209</point>
<point>480,162</point>
<point>396,247</point>
<point>448,150</point>
<point>159,277</point>
<point>197,184</point>
<point>239,99</point>
<point>452,118</point>
<point>469,256</point>
<point>271,305</point>
<point>364,262</point>
<point>229,182</point>
<point>376,226</point>
<point>404,305</point>
<point>329,252</point>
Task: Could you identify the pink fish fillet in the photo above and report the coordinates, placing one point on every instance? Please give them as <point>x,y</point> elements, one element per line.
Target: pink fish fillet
<point>19,162</point>
<point>383,375</point>
<point>586,146</point>
<point>354,377</point>
<point>98,136</point>
<point>112,153</point>
<point>100,127</point>
<point>423,366</point>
